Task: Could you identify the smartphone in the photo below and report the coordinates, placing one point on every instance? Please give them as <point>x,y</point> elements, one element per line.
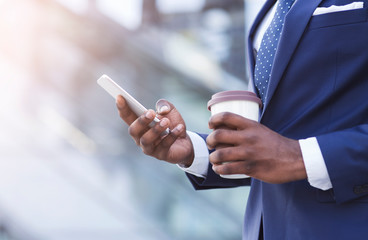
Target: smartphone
<point>115,90</point>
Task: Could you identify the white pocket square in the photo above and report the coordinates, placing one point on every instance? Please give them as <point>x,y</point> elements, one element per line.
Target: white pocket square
<point>334,8</point>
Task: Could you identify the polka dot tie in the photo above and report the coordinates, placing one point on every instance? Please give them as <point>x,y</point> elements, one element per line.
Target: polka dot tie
<point>267,50</point>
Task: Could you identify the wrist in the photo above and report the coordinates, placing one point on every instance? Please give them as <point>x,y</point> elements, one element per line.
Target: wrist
<point>188,160</point>
<point>298,169</point>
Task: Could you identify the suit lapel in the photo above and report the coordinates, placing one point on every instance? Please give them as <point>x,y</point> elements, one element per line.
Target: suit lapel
<point>295,23</point>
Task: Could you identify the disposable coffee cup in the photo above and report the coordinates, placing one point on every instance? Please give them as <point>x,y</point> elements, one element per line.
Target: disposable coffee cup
<point>243,103</point>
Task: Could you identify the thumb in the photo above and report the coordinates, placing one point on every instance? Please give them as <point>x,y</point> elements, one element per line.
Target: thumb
<point>163,107</point>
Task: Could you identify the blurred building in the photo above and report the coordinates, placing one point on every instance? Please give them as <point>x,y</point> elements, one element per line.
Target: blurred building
<point>68,169</point>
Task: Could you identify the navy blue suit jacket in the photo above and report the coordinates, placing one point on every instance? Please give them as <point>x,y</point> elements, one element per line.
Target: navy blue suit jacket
<point>318,87</point>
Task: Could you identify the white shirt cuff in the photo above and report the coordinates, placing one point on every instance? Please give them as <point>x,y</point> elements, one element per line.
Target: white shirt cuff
<point>315,164</point>
<point>200,163</point>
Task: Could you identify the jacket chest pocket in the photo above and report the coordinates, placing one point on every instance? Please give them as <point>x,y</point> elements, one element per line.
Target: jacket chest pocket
<point>338,18</point>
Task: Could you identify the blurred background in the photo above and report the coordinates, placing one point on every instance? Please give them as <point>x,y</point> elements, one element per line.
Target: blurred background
<point>68,169</point>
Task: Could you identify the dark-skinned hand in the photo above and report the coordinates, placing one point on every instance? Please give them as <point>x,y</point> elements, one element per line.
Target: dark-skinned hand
<point>248,147</point>
<point>175,147</point>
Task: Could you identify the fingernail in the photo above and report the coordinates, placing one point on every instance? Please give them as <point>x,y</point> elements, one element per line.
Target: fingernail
<point>118,102</point>
<point>163,109</point>
<point>149,115</point>
<point>179,127</point>
<point>163,122</point>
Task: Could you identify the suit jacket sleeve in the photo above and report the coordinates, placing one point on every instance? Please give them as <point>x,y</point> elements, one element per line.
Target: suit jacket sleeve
<point>345,153</point>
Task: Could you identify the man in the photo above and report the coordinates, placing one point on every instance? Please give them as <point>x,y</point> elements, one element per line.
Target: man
<point>308,156</point>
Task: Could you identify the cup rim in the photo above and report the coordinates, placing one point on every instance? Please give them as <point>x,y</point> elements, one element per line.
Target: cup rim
<point>232,96</point>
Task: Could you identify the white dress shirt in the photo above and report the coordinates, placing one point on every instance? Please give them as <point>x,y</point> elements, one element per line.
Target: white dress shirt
<point>313,160</point>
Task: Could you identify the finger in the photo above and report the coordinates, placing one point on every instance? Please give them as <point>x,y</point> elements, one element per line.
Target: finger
<point>229,120</point>
<point>141,125</point>
<point>164,146</point>
<point>221,137</point>
<point>239,167</point>
<point>153,137</point>
<point>228,154</point>
<point>164,107</point>
<point>124,111</point>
